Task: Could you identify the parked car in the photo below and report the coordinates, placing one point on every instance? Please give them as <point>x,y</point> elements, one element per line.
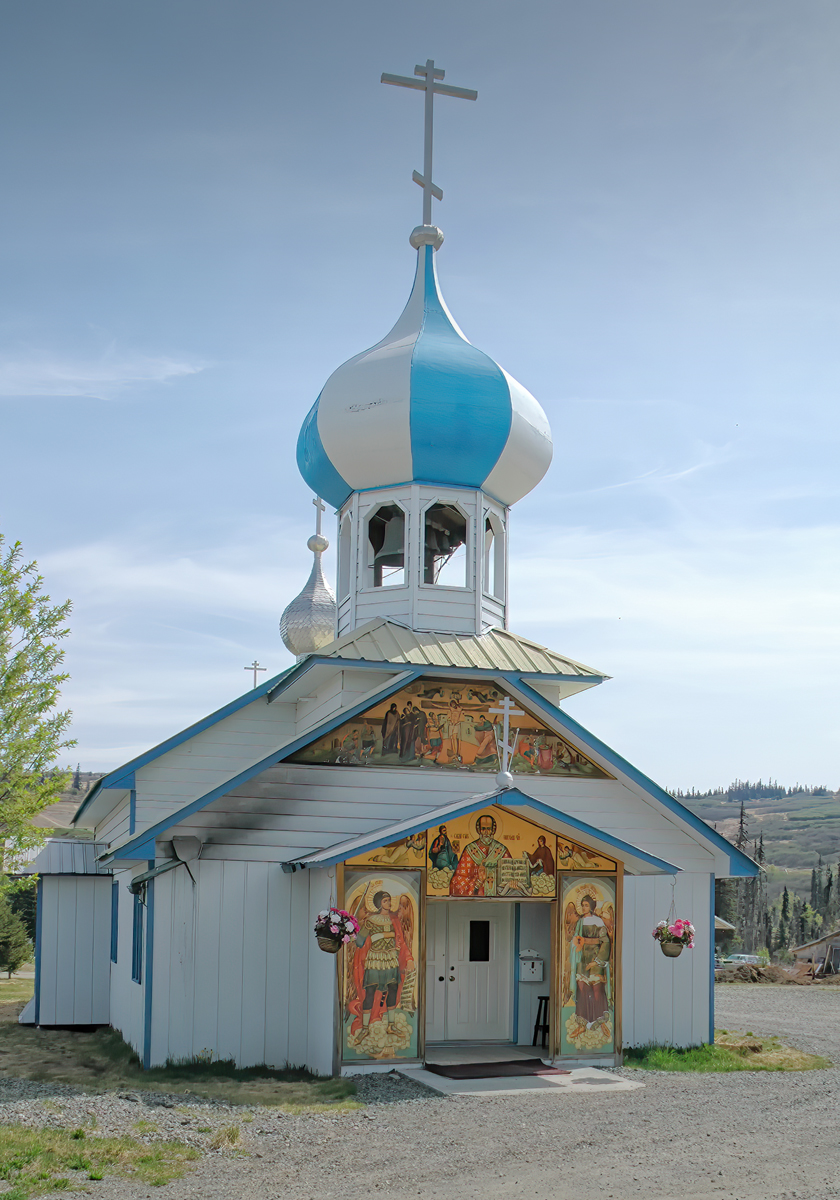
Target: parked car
<point>737,960</point>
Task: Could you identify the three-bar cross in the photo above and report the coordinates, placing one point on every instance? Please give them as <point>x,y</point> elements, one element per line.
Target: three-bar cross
<point>428,83</point>
<point>255,666</point>
<point>507,710</point>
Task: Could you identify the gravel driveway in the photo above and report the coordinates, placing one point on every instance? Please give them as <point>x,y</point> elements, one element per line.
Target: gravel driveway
<point>694,1137</point>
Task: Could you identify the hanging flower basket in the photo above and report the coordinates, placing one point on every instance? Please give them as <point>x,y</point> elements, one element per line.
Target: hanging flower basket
<point>673,936</point>
<point>334,928</point>
<point>671,949</point>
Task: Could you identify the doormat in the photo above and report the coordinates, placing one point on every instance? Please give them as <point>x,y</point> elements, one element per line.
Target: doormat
<point>495,1070</point>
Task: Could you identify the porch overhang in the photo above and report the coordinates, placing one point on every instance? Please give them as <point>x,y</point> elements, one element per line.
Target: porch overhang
<point>634,860</point>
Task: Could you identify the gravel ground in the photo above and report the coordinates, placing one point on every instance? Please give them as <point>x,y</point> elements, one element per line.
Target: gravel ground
<point>747,1135</point>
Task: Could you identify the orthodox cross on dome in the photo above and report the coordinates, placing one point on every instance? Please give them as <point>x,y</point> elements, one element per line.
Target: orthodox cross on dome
<point>506,748</point>
<point>320,507</point>
<point>428,83</point>
<point>255,666</point>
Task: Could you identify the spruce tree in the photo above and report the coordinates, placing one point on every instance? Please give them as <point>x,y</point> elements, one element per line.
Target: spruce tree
<point>15,946</point>
<point>77,779</point>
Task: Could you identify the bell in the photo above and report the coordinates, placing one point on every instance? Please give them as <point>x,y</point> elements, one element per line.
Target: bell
<point>392,551</point>
<point>432,543</point>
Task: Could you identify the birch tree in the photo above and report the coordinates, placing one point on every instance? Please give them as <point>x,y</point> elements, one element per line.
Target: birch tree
<point>33,728</point>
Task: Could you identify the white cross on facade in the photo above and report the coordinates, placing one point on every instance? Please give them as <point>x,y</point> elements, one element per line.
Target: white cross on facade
<point>255,666</point>
<point>428,83</point>
<point>505,750</point>
<point>320,507</point>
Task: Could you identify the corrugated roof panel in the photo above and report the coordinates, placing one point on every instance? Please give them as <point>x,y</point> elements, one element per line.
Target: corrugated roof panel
<point>385,641</point>
<point>68,856</point>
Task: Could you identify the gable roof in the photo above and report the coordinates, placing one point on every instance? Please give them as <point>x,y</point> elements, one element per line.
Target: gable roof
<point>494,650</point>
<point>382,643</point>
<point>638,862</point>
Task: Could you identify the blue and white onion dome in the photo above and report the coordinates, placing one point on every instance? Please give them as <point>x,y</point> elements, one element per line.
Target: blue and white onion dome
<point>424,405</point>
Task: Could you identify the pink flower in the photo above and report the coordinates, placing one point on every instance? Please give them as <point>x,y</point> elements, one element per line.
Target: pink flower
<point>346,938</point>
<point>333,929</point>
<point>673,929</point>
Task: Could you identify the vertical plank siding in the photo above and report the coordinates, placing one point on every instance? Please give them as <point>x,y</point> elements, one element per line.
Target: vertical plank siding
<point>75,950</point>
<point>665,1000</point>
<point>127,997</point>
<point>237,973</point>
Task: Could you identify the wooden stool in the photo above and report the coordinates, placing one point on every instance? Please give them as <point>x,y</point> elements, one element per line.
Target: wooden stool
<point>541,1023</point>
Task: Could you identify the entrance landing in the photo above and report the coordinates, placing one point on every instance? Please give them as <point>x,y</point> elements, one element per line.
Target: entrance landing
<point>579,1079</point>
<point>447,1054</point>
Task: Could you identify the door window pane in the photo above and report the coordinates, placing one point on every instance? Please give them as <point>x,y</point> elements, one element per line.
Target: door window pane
<point>479,941</point>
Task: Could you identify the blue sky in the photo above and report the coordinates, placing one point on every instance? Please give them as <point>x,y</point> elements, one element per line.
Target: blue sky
<point>205,208</point>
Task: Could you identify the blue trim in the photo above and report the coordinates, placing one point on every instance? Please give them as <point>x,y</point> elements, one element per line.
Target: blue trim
<point>137,940</point>
<point>124,776</point>
<point>460,409</point>
<point>511,798</point>
<point>740,864</point>
<point>380,487</point>
<point>132,810</point>
<point>589,831</point>
<point>39,920</point>
<point>145,841</point>
<point>115,920</point>
<point>316,466</point>
<point>517,919</point>
<point>712,961</point>
<point>150,954</point>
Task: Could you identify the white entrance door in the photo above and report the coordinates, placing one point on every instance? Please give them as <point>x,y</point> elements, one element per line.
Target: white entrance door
<point>469,957</point>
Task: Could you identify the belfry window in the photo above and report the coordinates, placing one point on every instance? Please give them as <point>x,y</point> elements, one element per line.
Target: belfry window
<point>386,547</point>
<point>345,550</point>
<point>445,546</point>
<point>494,557</point>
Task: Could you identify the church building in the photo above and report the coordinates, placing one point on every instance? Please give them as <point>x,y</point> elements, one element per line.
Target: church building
<point>495,870</point>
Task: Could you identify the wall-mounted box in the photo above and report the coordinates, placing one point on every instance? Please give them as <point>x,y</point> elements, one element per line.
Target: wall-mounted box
<point>531,970</point>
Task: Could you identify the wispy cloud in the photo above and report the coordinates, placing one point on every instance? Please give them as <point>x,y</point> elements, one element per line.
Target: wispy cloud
<point>102,377</point>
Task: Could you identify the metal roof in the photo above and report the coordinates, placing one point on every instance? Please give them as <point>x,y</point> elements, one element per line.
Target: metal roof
<point>382,640</point>
<point>68,856</point>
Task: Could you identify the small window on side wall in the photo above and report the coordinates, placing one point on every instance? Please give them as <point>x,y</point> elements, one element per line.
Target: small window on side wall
<point>445,546</point>
<point>137,941</point>
<point>386,547</point>
<point>115,920</point>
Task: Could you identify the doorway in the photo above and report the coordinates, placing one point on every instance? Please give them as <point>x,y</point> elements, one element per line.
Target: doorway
<point>469,971</point>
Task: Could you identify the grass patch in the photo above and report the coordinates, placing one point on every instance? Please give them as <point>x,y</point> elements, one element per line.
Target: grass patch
<point>102,1061</point>
<point>730,1052</point>
<point>36,1161</point>
<point>16,991</point>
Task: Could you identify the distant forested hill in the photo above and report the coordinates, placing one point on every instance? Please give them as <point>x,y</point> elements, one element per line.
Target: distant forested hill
<point>799,825</point>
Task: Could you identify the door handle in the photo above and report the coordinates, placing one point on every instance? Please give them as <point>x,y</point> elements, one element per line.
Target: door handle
<point>451,978</point>
<point>440,979</point>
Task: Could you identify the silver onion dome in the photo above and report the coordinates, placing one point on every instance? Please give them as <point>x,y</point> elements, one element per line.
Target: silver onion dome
<point>308,623</point>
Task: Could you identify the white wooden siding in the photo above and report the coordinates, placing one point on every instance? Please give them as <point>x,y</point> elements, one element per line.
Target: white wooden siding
<point>217,754</point>
<point>237,970</point>
<point>73,977</point>
<point>127,997</point>
<point>295,809</point>
<point>115,827</point>
<point>665,1000</point>
<point>534,934</point>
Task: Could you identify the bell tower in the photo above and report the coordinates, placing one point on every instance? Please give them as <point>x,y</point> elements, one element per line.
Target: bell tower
<point>422,443</point>
<point>432,558</point>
